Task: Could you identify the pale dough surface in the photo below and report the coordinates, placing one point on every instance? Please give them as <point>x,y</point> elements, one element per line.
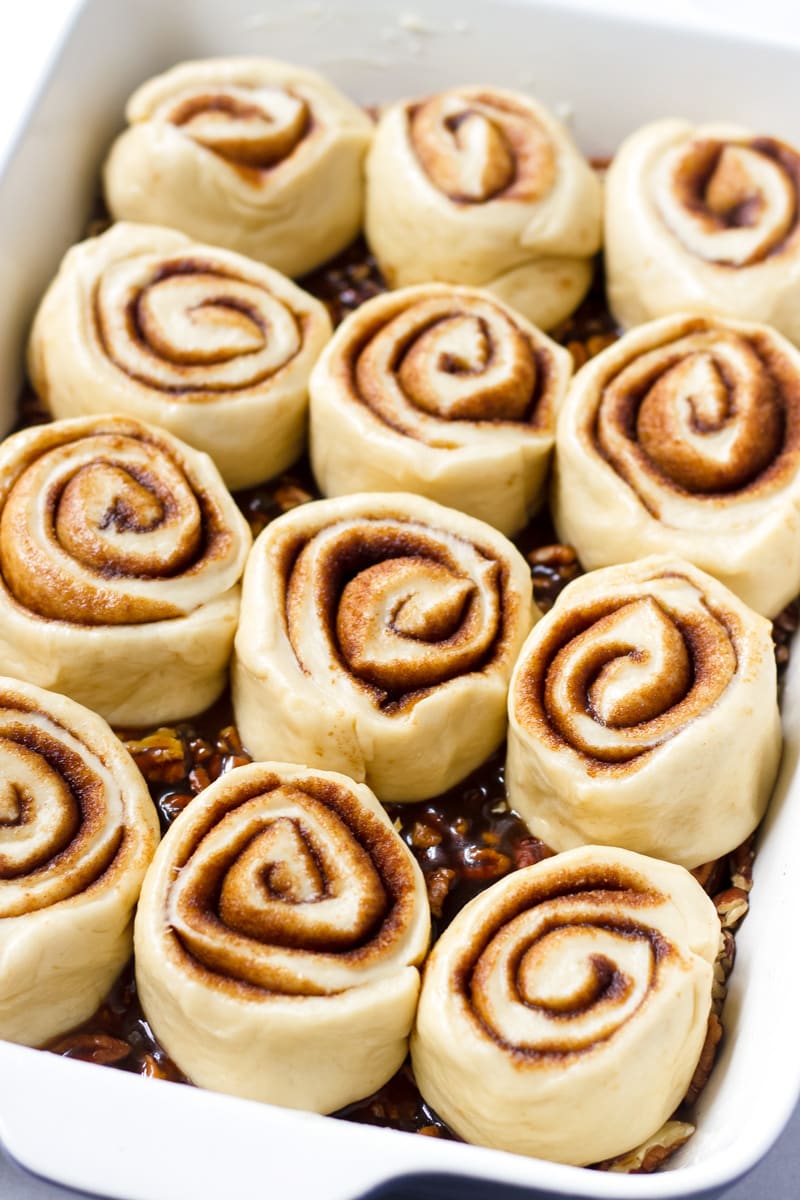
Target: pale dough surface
<point>219,356</point>
<point>492,1052</point>
<point>262,157</point>
<point>643,713</point>
<point>300,992</point>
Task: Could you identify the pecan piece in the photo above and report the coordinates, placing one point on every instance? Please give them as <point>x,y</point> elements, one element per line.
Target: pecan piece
<point>161,756</point>
<point>732,906</point>
<point>93,1047</point>
<point>652,1153</point>
<point>707,1057</point>
<point>439,883</point>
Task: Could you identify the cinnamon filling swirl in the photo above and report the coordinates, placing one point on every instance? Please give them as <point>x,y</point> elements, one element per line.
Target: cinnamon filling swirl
<point>477,146</point>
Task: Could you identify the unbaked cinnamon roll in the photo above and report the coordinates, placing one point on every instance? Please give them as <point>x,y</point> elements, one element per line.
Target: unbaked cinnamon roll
<point>278,938</point>
<point>563,1011</point>
<point>259,156</point>
<point>704,219</point>
<point>77,832</point>
<point>120,559</point>
<point>442,391</point>
<point>684,436</point>
<point>377,637</point>
<point>643,713</point>
<point>215,348</point>
<point>484,187</point>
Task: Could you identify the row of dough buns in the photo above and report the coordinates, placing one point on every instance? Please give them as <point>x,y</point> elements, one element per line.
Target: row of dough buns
<point>476,185</point>
<point>680,437</point>
<point>377,636</point>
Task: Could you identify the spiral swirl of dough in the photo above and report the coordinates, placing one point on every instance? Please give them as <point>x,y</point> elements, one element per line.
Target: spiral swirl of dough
<point>685,436</point>
<point>631,707</point>
<point>704,219</point>
<point>389,618</point>
<point>564,1010</point>
<point>484,187</point>
<point>117,543</point>
<point>442,391</point>
<point>255,155</point>
<point>205,343</point>
<point>284,902</point>
<point>77,831</point>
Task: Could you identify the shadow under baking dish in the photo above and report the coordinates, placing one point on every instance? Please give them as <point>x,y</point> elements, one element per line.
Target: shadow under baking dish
<point>111,1132</point>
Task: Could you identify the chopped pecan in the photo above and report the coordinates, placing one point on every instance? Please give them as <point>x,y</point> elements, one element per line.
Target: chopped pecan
<point>161,756</point>
<point>423,837</point>
<point>290,495</point>
<point>485,863</point>
<point>439,884</point>
<point>531,850</point>
<point>431,1131</point>
<point>711,875</point>
<point>93,1047</point>
<point>652,1153</point>
<point>707,1057</point>
<point>198,779</point>
<point>579,353</point>
<point>599,342</point>
<point>741,864</point>
<point>732,906</point>
<point>555,555</point>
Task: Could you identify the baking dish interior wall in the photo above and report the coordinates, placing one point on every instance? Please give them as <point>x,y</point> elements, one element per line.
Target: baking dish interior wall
<point>607,75</point>
<point>612,76</point>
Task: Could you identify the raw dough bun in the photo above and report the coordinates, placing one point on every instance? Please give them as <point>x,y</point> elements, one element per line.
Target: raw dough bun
<point>442,391</point>
<point>643,713</point>
<point>120,559</point>
<point>484,187</point>
<point>564,1009</point>
<point>219,353</point>
<point>704,219</point>
<point>77,831</point>
<point>278,939</point>
<point>684,437</point>
<point>377,637</point>
<point>259,156</point>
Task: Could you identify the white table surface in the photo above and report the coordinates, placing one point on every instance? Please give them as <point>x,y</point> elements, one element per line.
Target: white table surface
<point>29,38</point>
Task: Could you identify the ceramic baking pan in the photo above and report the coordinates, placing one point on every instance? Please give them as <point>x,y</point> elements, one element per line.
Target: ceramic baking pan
<point>121,1135</point>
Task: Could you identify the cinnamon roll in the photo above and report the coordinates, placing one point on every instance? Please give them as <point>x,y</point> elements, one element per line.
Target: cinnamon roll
<point>563,1011</point>
<point>704,219</point>
<point>643,713</point>
<point>259,156</point>
<point>481,186</point>
<point>278,938</point>
<point>684,436</point>
<point>205,343</point>
<point>377,637</point>
<point>442,391</point>
<point>120,556</point>
<point>77,831</point>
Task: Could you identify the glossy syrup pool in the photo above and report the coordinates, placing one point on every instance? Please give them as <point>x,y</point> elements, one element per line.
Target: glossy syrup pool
<point>464,840</point>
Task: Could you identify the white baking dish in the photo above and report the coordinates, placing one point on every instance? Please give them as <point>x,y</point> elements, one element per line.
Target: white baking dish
<point>114,1133</point>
